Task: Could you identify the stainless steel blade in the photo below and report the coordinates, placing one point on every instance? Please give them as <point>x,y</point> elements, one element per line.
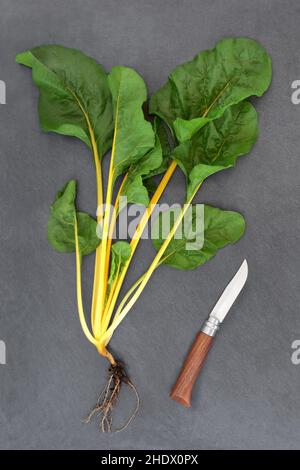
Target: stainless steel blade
<point>230,293</point>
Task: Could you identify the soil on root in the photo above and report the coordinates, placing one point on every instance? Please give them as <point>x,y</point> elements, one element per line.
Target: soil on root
<point>107,401</point>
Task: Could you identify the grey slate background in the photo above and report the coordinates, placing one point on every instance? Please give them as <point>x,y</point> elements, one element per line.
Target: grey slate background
<point>248,394</point>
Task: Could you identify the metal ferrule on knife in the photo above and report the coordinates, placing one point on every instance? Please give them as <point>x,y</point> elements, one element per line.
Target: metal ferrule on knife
<point>211,326</point>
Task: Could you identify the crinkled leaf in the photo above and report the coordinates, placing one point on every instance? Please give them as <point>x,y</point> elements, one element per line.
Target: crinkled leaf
<point>218,145</point>
<point>74,92</point>
<point>61,224</point>
<point>120,253</point>
<point>134,136</point>
<point>202,89</point>
<point>221,228</point>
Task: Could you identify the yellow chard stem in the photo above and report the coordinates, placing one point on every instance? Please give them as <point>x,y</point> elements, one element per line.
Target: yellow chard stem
<point>84,326</point>
<point>95,284</point>
<point>105,320</point>
<point>99,218</point>
<point>101,271</point>
<point>112,226</point>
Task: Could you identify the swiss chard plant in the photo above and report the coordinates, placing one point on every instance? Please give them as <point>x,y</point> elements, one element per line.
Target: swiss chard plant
<point>200,121</point>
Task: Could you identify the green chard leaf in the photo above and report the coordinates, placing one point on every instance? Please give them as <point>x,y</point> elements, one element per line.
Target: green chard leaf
<point>61,224</point>
<point>120,253</point>
<point>134,136</point>
<point>204,234</point>
<point>218,145</point>
<point>74,94</point>
<point>201,90</point>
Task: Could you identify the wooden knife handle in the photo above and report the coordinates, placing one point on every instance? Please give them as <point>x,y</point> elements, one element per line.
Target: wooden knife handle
<point>182,390</point>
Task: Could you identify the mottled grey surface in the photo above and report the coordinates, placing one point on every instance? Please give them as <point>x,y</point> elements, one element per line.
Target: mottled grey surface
<point>248,394</point>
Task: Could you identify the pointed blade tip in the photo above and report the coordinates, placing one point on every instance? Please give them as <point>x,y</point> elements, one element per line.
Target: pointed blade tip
<point>231,292</point>
<point>244,268</point>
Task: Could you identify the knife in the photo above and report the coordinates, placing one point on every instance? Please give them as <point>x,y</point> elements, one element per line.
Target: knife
<point>182,390</point>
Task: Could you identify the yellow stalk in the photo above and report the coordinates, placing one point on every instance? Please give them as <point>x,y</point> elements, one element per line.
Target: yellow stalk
<point>99,218</point>
<point>136,238</point>
<point>107,335</point>
<point>111,293</point>
<point>95,284</point>
<point>101,271</point>
<point>112,226</point>
<point>84,326</point>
